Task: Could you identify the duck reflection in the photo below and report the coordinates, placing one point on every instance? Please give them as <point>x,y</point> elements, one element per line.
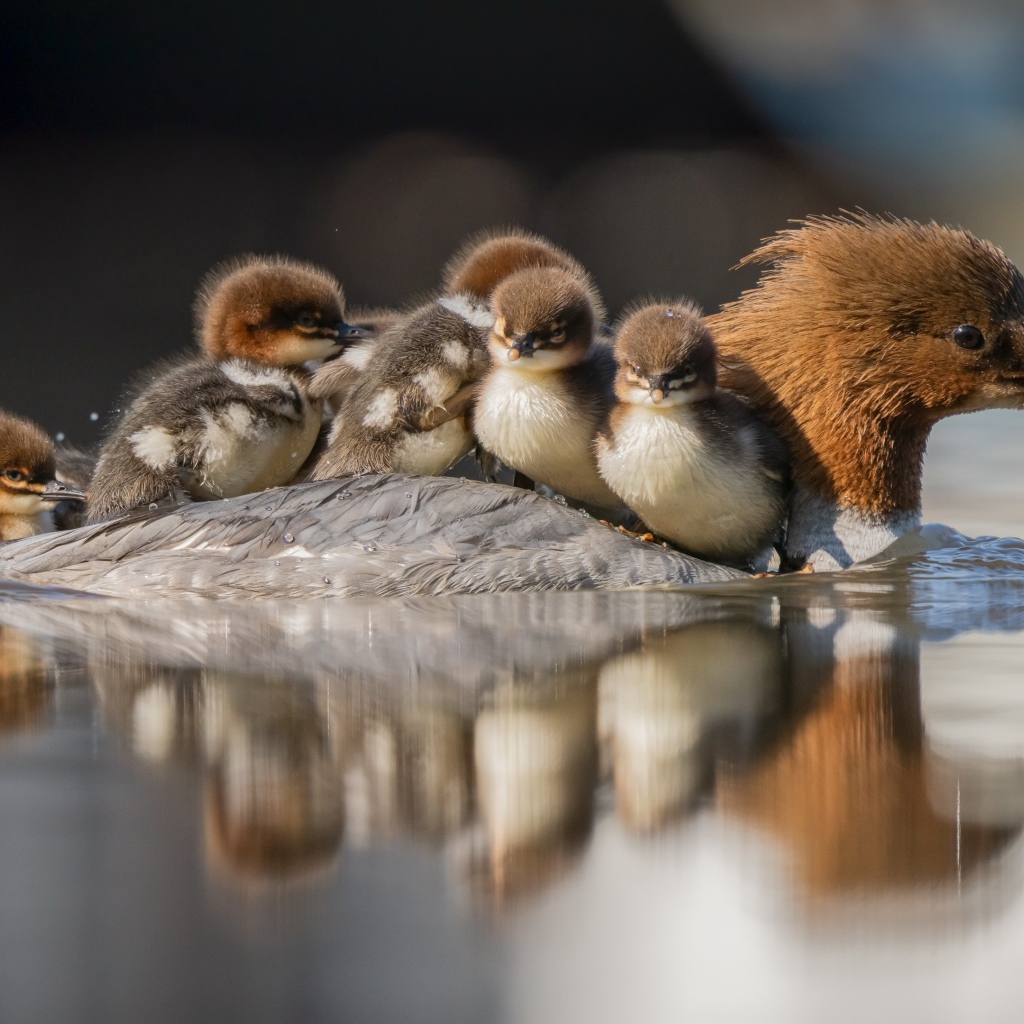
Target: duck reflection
<point>26,682</point>
<point>536,767</point>
<point>160,711</point>
<point>660,707</point>
<point>273,783</point>
<point>845,789</point>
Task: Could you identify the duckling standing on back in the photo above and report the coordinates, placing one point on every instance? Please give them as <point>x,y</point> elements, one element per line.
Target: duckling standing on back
<point>29,488</point>
<point>237,418</point>
<point>692,461</point>
<point>549,386</point>
<point>408,411</point>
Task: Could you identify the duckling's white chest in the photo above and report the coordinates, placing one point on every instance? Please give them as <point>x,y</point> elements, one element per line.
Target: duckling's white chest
<point>669,470</point>
<point>244,451</point>
<point>532,423</point>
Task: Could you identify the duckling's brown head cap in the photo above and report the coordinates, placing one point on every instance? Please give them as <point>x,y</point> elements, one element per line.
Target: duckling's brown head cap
<point>485,260</point>
<point>25,449</point>
<point>270,309</point>
<point>658,337</point>
<point>543,309</point>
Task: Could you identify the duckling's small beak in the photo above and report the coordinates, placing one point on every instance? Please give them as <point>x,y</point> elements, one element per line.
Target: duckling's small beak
<point>57,491</point>
<point>350,332</point>
<point>658,386</point>
<point>522,345</point>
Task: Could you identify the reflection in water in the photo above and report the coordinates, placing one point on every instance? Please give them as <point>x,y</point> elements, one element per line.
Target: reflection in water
<point>658,704</point>
<point>273,785</point>
<point>536,763</point>
<point>512,738</point>
<point>845,790</point>
<point>26,682</point>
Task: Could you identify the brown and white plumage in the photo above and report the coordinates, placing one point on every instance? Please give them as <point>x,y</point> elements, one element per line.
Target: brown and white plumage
<point>237,417</point>
<point>692,461</point>
<point>862,333</point>
<point>30,490</point>
<point>549,386</point>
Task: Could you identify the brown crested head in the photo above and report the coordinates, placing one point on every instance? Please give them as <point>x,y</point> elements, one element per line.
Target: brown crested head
<point>861,334</point>
<point>28,467</point>
<point>270,309</point>
<point>544,320</point>
<point>665,355</point>
<point>485,260</point>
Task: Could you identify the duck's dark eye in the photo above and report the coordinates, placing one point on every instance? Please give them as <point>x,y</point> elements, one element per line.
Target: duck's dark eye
<point>967,336</point>
<point>306,320</point>
<point>636,369</point>
<point>14,475</point>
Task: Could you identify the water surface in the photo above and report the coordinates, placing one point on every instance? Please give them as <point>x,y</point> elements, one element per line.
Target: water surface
<point>783,800</point>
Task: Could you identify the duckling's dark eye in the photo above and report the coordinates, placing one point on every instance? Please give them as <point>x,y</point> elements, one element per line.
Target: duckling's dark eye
<point>636,369</point>
<point>306,320</point>
<point>14,475</point>
<point>967,336</point>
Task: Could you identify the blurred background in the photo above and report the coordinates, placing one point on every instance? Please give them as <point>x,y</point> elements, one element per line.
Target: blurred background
<point>659,141</point>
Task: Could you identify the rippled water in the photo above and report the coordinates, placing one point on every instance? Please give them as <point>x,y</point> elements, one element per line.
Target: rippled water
<point>784,800</point>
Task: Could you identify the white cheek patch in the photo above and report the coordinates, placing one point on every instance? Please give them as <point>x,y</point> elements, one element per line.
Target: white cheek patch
<point>474,314</point>
<point>382,410</point>
<point>434,384</point>
<point>455,354</point>
<point>154,446</point>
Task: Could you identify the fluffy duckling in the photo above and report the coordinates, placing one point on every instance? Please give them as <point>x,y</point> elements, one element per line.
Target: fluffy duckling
<point>404,414</point>
<point>237,418</point>
<point>692,461</point>
<point>409,394</point>
<point>549,386</point>
<point>862,333</point>
<point>29,488</point>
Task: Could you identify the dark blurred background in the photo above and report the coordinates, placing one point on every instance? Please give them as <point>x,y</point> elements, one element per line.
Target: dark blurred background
<point>141,143</point>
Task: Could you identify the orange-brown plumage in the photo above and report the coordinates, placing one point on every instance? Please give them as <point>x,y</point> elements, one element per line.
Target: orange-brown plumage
<point>848,346</point>
<point>269,309</point>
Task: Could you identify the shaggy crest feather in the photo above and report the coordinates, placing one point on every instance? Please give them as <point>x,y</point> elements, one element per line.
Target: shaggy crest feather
<point>848,346</point>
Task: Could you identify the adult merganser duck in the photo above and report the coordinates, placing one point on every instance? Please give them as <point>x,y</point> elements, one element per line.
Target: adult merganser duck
<point>866,331</point>
<point>236,418</point>
<point>861,335</point>
<point>692,461</point>
<point>29,486</point>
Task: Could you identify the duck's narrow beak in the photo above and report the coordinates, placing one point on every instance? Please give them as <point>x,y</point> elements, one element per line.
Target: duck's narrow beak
<point>57,491</point>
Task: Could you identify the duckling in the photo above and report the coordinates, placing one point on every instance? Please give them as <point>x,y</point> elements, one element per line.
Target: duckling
<point>863,332</point>
<point>692,461</point>
<point>407,412</point>
<point>29,488</point>
<point>237,418</point>
<point>549,386</point>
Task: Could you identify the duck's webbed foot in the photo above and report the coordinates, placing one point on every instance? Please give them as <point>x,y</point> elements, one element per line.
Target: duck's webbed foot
<point>456,405</point>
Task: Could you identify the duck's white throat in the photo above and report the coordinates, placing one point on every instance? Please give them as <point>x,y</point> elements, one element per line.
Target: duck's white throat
<point>831,537</point>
